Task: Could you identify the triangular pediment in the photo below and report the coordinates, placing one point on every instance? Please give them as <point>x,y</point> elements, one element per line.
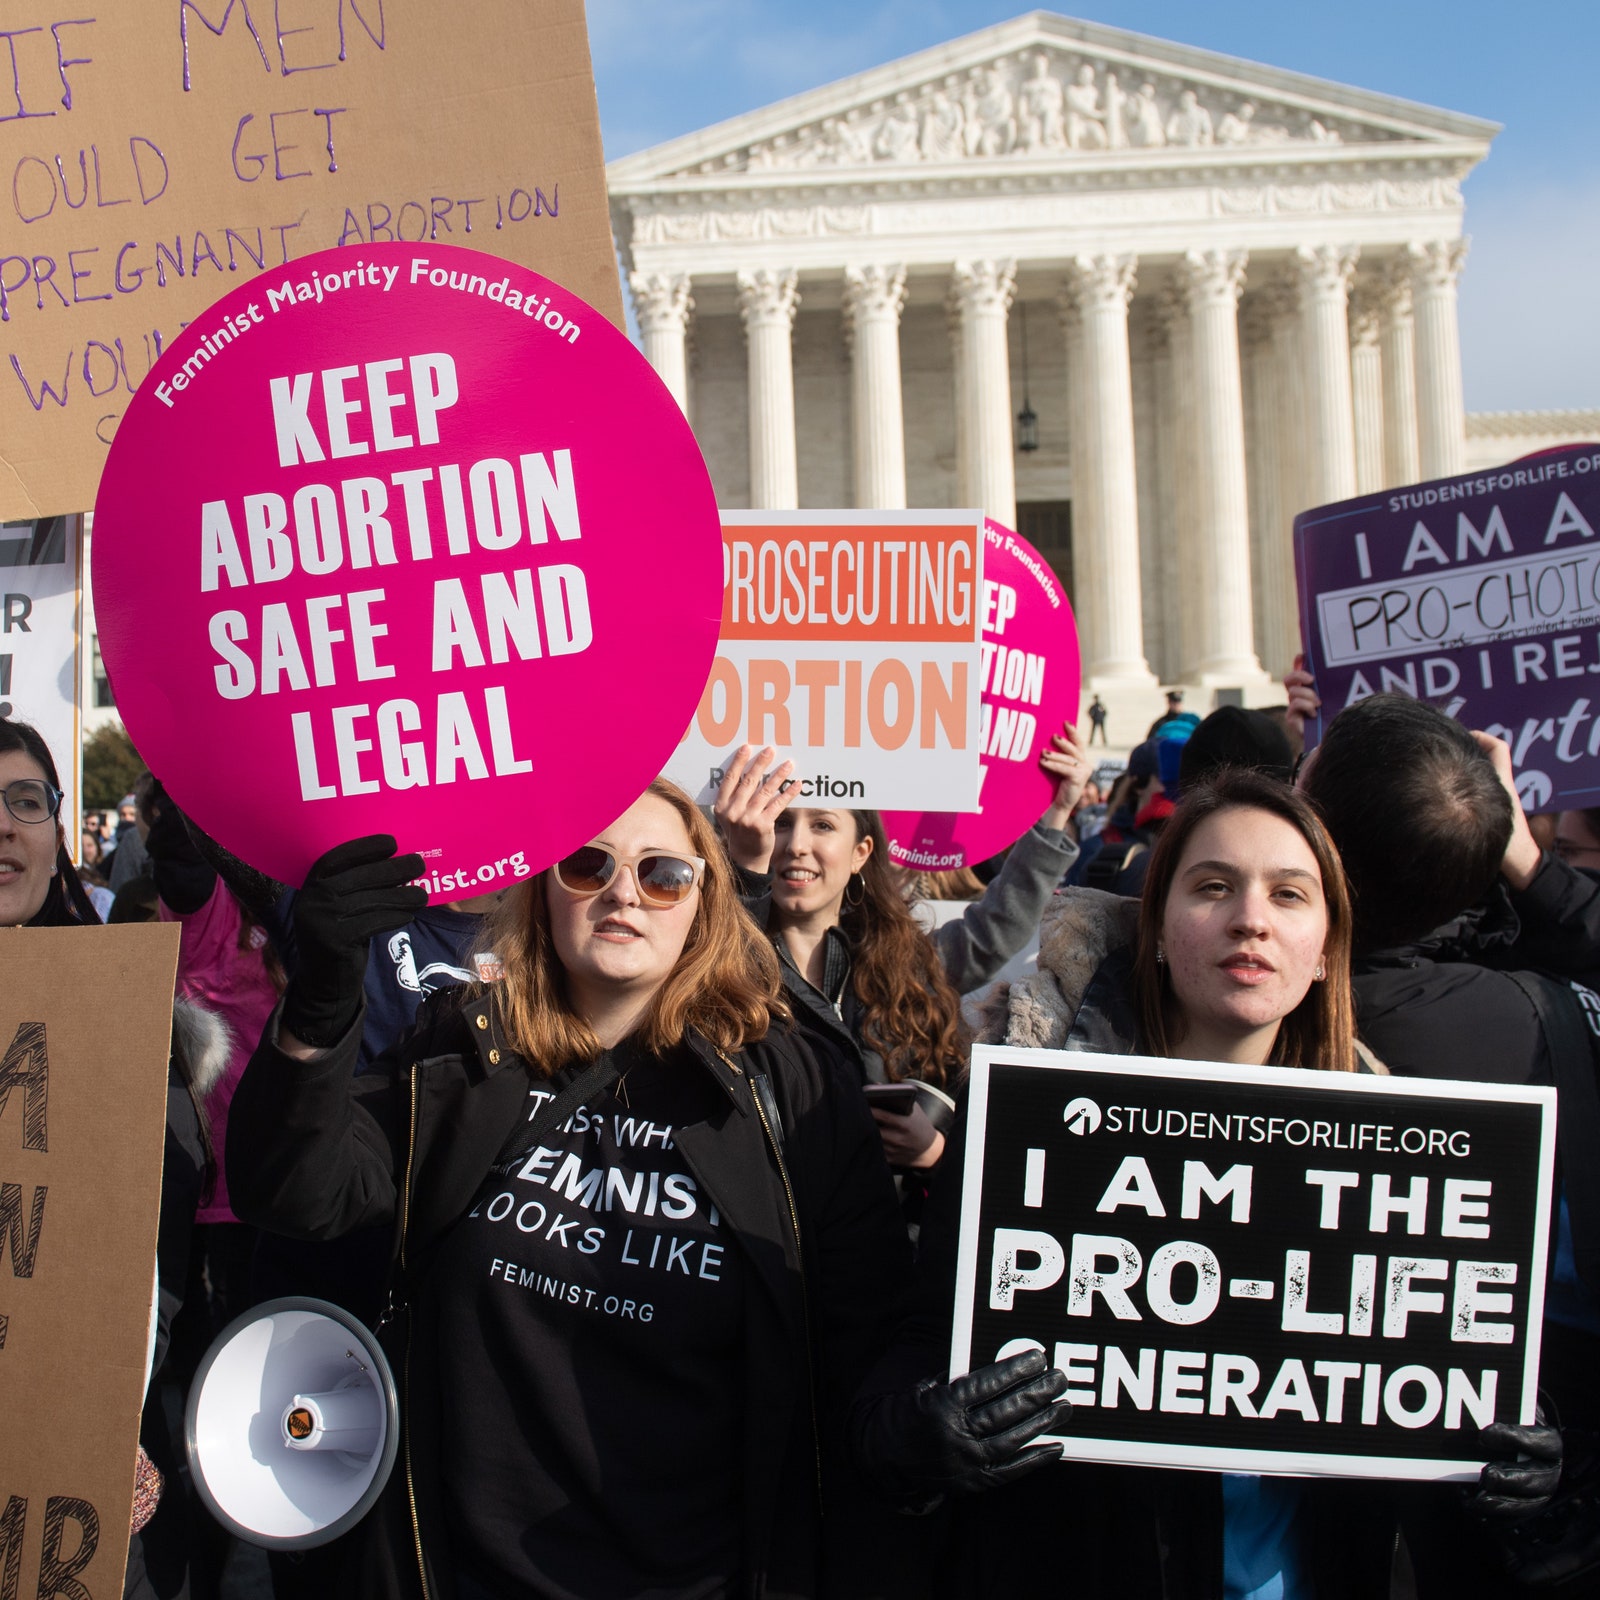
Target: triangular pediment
<point>1044,90</point>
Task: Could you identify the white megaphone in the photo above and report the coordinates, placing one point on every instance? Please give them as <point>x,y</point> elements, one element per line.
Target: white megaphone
<point>292,1424</point>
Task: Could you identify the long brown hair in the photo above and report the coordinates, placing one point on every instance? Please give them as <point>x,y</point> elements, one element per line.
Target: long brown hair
<point>1320,1031</point>
<point>911,1013</point>
<point>725,985</point>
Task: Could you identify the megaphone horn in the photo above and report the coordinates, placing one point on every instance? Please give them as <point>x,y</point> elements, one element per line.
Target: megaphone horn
<point>292,1425</point>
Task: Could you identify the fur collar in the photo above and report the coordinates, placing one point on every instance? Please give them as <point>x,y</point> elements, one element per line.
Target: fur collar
<point>1080,928</point>
<point>203,1044</point>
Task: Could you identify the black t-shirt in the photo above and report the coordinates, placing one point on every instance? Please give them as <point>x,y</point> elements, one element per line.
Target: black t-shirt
<point>591,1314</point>
<point>438,949</point>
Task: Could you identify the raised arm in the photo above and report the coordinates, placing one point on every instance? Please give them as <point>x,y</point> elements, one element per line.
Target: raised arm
<point>996,927</point>
<point>313,1150</point>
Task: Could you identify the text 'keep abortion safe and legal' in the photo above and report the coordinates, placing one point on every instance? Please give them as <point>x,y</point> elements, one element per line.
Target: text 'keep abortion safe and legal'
<point>1258,1269</point>
<point>366,523</point>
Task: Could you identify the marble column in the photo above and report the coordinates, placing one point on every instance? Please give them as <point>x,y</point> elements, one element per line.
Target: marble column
<point>1324,273</point>
<point>1271,525</point>
<point>984,290</point>
<point>1179,528</point>
<point>1441,409</point>
<point>1211,281</point>
<point>1086,578</point>
<point>1282,299</point>
<point>1275,573</point>
<point>1105,489</point>
<point>767,303</point>
<point>958,391</point>
<point>663,305</point>
<point>1366,389</point>
<point>873,298</point>
<point>1401,464</point>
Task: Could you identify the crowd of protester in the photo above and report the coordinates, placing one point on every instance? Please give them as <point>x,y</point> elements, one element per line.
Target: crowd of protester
<point>744,1017</point>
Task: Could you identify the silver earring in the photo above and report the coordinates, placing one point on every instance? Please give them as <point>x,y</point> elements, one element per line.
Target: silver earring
<point>1161,956</point>
<point>1320,973</point>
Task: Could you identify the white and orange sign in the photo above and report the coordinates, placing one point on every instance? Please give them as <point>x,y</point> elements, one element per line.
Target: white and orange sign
<point>851,641</point>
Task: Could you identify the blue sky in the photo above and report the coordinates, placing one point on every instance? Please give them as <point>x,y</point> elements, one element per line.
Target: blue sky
<point>1530,298</point>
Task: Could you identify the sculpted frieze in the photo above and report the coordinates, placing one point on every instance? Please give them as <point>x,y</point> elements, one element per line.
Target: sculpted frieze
<point>656,226</point>
<point>1035,103</point>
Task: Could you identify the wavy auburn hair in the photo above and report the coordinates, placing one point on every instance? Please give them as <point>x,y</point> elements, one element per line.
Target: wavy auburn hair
<point>725,985</point>
<point>1320,1032</point>
<point>911,1013</point>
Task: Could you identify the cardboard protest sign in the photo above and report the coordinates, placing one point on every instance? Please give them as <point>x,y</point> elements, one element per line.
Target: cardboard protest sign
<point>155,155</point>
<point>1029,687</point>
<point>410,541</point>
<point>85,1023</point>
<point>1258,1269</point>
<point>850,640</point>
<point>1479,593</point>
<point>41,644</point>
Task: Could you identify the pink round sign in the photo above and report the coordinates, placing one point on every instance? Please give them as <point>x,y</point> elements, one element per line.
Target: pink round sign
<point>410,540</point>
<point>1030,684</point>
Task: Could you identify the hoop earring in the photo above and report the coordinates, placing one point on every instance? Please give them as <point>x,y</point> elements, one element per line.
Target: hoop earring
<point>861,888</point>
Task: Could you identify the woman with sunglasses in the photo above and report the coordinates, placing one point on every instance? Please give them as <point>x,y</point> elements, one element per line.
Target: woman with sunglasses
<point>642,1246</point>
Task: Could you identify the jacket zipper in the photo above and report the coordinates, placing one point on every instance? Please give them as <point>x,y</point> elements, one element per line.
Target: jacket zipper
<point>405,1219</point>
<point>799,1255</point>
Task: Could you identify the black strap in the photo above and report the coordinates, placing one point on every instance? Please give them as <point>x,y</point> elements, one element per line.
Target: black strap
<point>594,1080</point>
<point>1571,1048</point>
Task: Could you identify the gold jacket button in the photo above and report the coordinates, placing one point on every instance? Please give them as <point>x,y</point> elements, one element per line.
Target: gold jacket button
<point>494,1058</point>
<point>482,1021</point>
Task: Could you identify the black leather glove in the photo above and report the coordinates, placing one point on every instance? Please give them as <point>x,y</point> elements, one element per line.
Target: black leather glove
<point>353,893</point>
<point>183,878</point>
<point>958,1438</point>
<point>1523,1471</point>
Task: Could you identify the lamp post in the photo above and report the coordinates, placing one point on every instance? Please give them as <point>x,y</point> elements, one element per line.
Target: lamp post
<point>1027,418</point>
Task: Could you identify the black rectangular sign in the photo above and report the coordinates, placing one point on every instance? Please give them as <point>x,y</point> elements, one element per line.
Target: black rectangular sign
<point>1257,1269</point>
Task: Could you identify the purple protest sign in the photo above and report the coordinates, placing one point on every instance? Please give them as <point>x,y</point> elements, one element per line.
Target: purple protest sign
<point>1030,685</point>
<point>406,540</point>
<point>1479,594</point>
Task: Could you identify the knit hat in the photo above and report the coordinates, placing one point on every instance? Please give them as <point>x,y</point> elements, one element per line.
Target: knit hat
<point>1143,762</point>
<point>1234,737</point>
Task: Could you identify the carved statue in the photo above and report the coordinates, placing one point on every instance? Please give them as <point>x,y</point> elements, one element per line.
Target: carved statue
<point>1039,102</point>
<point>1235,127</point>
<point>1190,122</point>
<point>1086,125</point>
<point>843,144</point>
<point>897,137</point>
<point>1116,101</point>
<point>1147,131</point>
<point>942,127</point>
<point>992,117</point>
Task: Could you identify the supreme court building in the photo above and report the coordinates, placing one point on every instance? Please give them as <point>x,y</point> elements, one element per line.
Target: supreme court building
<point>1225,292</point>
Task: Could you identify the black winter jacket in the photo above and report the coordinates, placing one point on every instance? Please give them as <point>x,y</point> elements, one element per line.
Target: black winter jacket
<point>314,1150</point>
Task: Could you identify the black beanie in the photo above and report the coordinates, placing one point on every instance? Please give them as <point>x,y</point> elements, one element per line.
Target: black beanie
<point>1234,737</point>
